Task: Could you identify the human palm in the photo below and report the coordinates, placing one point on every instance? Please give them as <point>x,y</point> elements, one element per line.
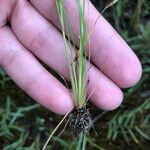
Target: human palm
<point>34,32</point>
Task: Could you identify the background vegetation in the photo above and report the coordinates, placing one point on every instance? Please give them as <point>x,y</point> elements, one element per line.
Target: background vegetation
<point>25,125</point>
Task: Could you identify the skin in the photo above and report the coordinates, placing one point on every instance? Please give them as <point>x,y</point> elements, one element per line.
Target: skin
<point>34,33</point>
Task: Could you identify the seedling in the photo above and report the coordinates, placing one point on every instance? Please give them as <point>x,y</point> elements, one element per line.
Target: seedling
<point>80,119</point>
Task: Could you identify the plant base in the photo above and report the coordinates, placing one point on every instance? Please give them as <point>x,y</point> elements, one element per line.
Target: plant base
<point>80,121</point>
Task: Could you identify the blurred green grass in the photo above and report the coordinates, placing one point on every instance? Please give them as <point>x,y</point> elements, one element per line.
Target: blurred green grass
<point>25,125</point>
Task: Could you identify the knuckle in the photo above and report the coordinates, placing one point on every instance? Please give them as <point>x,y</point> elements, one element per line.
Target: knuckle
<point>33,82</point>
<point>38,41</point>
<point>10,58</point>
<point>6,8</point>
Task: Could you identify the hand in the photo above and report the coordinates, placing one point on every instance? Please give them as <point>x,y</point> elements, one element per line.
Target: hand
<point>33,32</point>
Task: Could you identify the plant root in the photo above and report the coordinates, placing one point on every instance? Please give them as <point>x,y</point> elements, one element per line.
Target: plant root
<point>80,121</point>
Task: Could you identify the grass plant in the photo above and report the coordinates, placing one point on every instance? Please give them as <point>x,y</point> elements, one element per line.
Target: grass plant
<point>80,119</point>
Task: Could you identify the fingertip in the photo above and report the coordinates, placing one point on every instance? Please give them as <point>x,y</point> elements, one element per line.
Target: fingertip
<point>60,104</point>
<point>64,107</point>
<point>132,74</point>
<point>113,102</point>
<point>110,100</point>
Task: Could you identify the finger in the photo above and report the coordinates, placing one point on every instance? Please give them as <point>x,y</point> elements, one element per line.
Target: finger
<point>123,66</point>
<point>102,91</point>
<point>46,42</point>
<point>24,69</point>
<point>6,7</point>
